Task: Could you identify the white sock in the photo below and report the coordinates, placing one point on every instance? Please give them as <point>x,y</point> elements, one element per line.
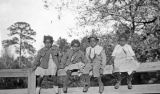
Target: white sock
<point>38,90</point>
<point>56,89</point>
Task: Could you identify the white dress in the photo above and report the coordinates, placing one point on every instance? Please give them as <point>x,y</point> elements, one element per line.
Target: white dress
<point>124,61</point>
<point>52,68</point>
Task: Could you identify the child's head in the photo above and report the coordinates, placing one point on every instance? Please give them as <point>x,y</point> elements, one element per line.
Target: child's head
<point>48,41</point>
<point>75,44</point>
<point>93,40</point>
<point>122,39</point>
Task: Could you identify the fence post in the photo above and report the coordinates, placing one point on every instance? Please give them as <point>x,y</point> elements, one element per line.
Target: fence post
<point>31,82</point>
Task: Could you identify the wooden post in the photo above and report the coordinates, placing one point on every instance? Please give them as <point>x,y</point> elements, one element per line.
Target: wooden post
<point>31,82</point>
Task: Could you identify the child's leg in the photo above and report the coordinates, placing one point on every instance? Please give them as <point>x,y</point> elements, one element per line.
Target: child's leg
<point>86,82</point>
<point>85,77</point>
<point>118,79</point>
<point>101,86</point>
<point>97,72</point>
<point>39,81</point>
<point>66,81</point>
<point>129,80</point>
<point>55,83</point>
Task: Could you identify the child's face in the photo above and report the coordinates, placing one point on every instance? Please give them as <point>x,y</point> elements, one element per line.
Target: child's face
<point>48,43</point>
<point>122,41</point>
<point>75,47</point>
<point>93,42</point>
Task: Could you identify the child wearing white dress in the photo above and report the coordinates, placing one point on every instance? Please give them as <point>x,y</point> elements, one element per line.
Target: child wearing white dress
<point>46,62</point>
<point>124,61</point>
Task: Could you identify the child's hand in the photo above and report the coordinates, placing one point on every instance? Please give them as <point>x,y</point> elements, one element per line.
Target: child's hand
<point>101,71</point>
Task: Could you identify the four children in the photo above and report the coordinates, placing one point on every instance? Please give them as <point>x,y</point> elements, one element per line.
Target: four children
<point>94,59</point>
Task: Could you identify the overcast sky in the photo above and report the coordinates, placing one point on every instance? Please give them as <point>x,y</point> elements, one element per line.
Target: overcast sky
<point>33,12</point>
<point>44,22</point>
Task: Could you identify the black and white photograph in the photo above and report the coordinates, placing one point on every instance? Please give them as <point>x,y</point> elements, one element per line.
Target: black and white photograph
<point>79,46</point>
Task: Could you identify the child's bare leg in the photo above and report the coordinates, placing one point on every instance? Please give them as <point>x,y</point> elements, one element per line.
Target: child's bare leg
<point>39,81</point>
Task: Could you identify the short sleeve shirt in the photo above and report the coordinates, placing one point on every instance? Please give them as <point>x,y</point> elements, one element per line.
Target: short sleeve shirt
<point>123,51</point>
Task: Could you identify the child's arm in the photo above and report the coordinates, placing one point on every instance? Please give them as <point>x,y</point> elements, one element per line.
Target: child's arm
<point>84,59</point>
<point>103,55</point>
<point>87,56</point>
<point>64,59</point>
<point>37,61</point>
<point>113,56</point>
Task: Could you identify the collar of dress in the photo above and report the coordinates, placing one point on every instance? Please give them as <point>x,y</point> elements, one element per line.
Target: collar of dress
<point>97,49</point>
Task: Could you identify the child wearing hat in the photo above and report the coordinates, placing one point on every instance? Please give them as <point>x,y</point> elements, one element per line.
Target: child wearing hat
<point>96,60</point>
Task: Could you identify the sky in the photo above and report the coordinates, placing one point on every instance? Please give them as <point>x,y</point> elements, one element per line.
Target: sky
<point>43,21</point>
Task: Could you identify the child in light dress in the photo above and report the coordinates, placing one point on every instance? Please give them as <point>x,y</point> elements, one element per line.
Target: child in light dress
<point>125,61</point>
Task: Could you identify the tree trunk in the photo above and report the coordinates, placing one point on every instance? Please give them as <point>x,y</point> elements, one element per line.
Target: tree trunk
<point>20,49</point>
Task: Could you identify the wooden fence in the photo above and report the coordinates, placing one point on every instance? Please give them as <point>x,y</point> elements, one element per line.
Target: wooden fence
<point>21,73</point>
<point>144,67</point>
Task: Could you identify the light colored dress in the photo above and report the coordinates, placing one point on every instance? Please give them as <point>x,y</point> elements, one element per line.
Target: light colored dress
<point>52,68</point>
<point>124,60</point>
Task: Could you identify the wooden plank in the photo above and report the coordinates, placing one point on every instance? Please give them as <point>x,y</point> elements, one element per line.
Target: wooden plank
<point>154,88</point>
<point>144,67</point>
<point>31,82</point>
<point>140,89</point>
<point>150,66</point>
<point>14,73</point>
<point>13,91</point>
<point>13,70</point>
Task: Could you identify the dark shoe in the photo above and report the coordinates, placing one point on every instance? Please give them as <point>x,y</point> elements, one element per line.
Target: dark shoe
<point>129,85</point>
<point>117,85</point>
<point>129,81</point>
<point>101,86</point>
<point>101,89</point>
<point>118,80</point>
<point>64,90</point>
<point>85,89</point>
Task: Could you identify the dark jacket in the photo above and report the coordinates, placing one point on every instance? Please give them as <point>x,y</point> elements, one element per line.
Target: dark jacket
<point>42,58</point>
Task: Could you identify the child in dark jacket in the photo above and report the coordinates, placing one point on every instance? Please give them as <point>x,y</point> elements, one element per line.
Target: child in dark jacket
<point>46,62</point>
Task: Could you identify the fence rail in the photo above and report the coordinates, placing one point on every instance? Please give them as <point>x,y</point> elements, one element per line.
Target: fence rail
<point>21,73</point>
<point>144,67</point>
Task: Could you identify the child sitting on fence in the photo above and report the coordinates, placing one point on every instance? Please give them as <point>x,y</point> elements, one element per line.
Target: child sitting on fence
<point>73,61</point>
<point>96,61</point>
<point>124,61</point>
<point>46,62</point>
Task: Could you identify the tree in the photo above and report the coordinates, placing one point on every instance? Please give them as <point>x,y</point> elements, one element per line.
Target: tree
<point>140,19</point>
<point>22,38</point>
<point>6,59</point>
<point>63,44</point>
